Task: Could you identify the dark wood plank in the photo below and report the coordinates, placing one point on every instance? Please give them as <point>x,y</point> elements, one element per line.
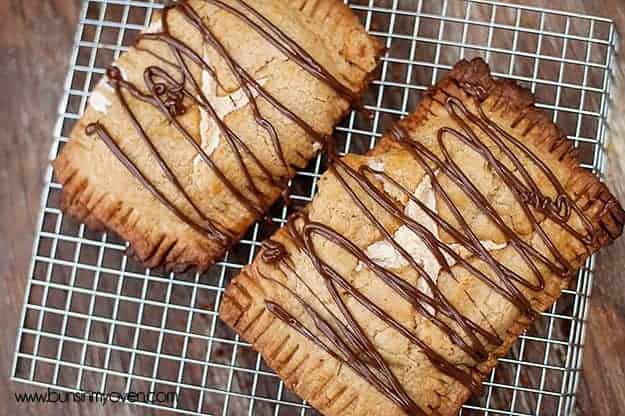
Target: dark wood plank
<point>601,389</point>
<point>35,41</point>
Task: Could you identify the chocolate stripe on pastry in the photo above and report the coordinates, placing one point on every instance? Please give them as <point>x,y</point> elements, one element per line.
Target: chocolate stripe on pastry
<point>171,86</point>
<point>303,279</point>
<point>167,94</point>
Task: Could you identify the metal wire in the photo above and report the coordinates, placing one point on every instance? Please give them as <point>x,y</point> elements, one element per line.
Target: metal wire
<point>93,320</point>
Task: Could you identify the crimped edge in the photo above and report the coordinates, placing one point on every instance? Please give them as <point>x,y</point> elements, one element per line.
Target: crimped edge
<point>506,97</point>
<point>286,351</point>
<point>101,212</point>
<point>78,194</point>
<point>600,206</point>
<point>475,79</point>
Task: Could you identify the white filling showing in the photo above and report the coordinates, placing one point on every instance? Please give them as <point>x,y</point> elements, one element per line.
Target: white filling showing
<point>209,131</point>
<point>122,71</point>
<point>376,165</point>
<point>103,83</point>
<point>99,102</point>
<point>385,255</point>
<point>154,27</point>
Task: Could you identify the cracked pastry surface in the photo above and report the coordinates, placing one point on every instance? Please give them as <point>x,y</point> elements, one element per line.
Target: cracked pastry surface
<point>419,264</point>
<point>195,131</point>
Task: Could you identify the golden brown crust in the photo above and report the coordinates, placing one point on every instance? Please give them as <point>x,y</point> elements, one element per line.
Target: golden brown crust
<point>510,101</point>
<point>99,190</point>
<point>290,353</point>
<point>310,372</point>
<point>340,27</point>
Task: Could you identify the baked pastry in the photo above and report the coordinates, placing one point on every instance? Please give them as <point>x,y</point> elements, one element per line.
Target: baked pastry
<point>417,265</point>
<point>195,131</point>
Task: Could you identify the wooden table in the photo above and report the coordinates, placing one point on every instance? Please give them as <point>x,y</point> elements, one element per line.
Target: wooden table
<point>35,40</point>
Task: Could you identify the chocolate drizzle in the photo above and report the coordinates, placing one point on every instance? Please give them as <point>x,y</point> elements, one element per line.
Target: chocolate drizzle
<point>172,88</point>
<point>287,46</point>
<point>273,251</point>
<point>343,337</point>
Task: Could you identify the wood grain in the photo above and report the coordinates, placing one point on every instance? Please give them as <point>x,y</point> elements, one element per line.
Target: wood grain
<point>35,42</point>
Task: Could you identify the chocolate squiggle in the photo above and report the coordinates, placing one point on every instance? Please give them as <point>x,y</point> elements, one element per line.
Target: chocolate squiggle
<point>172,86</point>
<point>358,352</point>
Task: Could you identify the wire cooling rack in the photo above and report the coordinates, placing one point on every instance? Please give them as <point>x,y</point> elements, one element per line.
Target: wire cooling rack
<point>93,320</point>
